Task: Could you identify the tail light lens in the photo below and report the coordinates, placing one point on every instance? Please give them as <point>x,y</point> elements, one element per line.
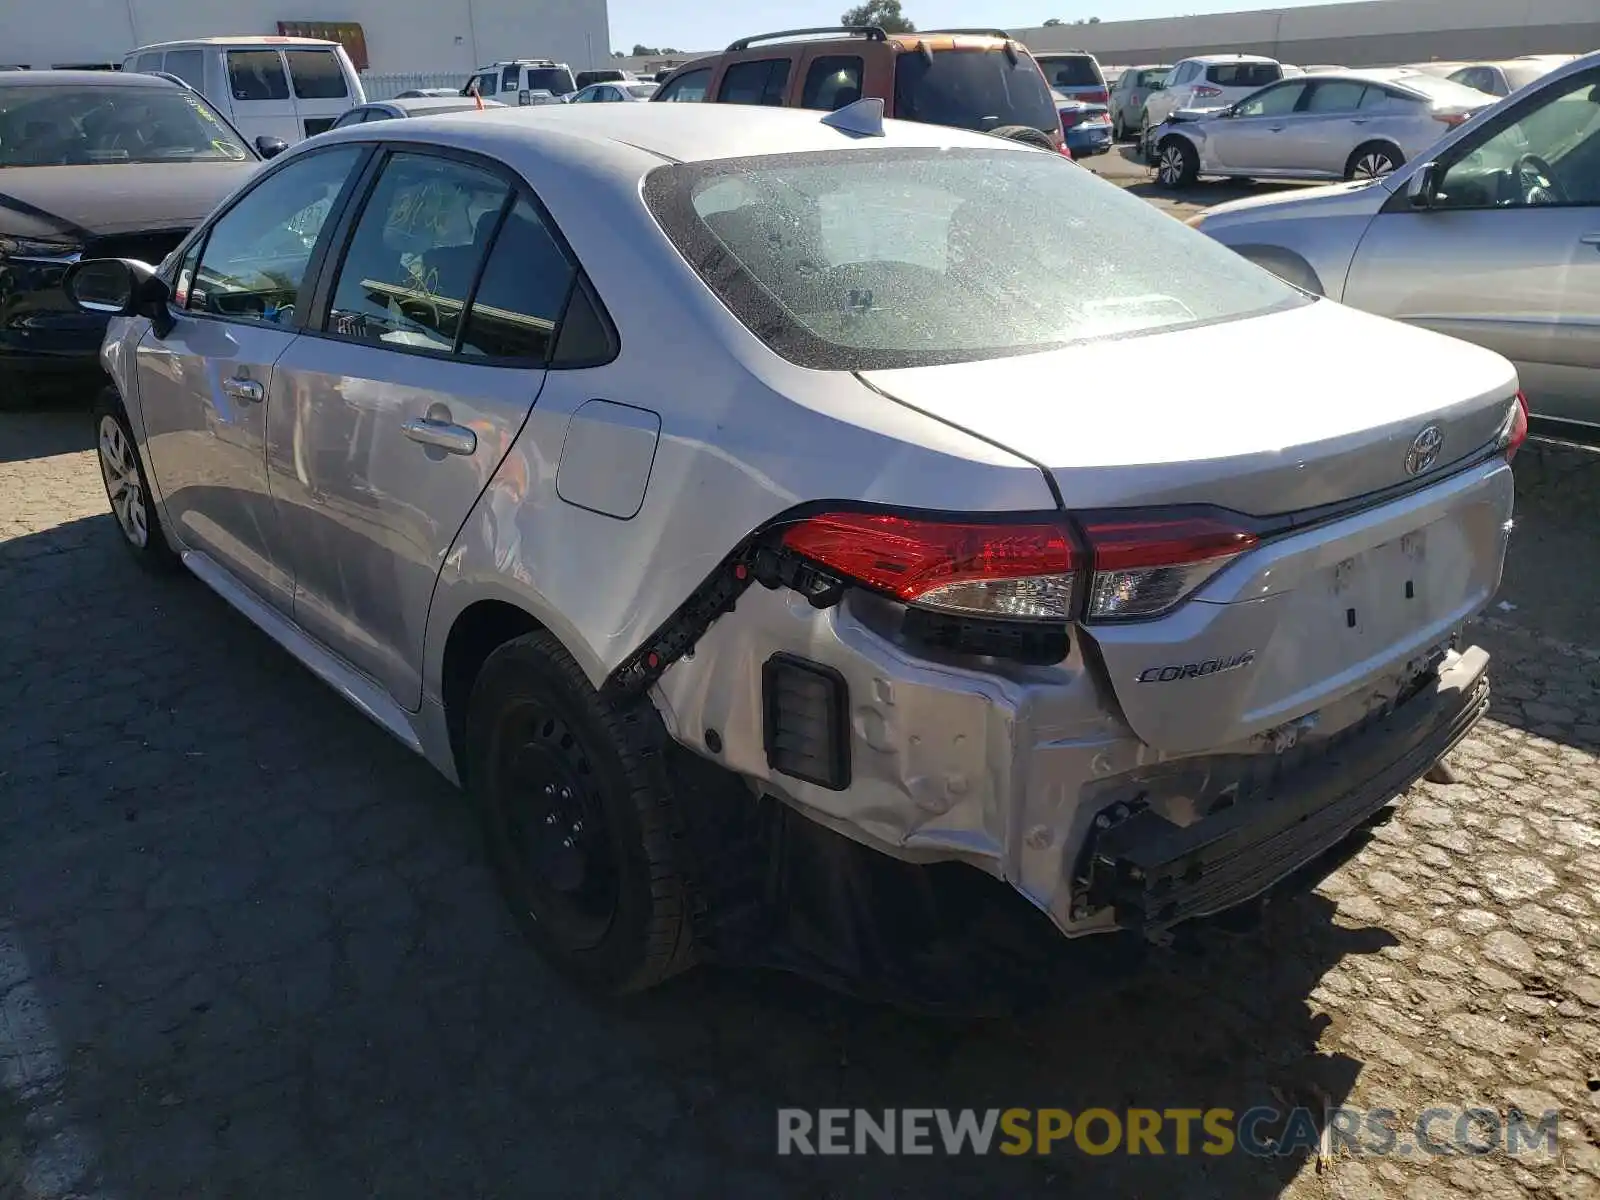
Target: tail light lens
<point>1205,93</point>
<point>1452,117</point>
<point>1027,570</point>
<point>1516,430</point>
<point>1101,97</point>
<point>1143,568</point>
<point>1022,571</point>
<point>1069,119</point>
<point>1066,150</point>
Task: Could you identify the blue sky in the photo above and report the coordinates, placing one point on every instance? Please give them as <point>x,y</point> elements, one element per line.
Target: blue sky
<point>697,25</point>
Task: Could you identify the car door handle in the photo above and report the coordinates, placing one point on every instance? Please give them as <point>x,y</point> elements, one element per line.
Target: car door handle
<point>1275,128</point>
<point>1590,239</point>
<point>244,389</point>
<point>1358,120</point>
<point>454,439</point>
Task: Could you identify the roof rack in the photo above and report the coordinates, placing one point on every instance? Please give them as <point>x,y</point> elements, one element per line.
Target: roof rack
<point>998,33</point>
<point>873,33</point>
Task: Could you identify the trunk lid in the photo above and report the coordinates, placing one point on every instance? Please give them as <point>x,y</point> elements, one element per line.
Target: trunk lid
<point>1294,410</point>
<point>1306,408</point>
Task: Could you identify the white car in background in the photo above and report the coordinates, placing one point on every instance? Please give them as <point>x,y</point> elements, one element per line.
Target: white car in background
<point>1208,81</point>
<point>1347,125</point>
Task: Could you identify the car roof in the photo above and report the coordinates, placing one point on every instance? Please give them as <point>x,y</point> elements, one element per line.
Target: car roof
<point>645,136</point>
<point>274,40</point>
<point>416,106</point>
<point>1218,59</point>
<point>91,78</point>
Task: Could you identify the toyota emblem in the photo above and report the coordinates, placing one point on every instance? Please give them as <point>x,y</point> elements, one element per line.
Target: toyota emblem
<point>1424,450</point>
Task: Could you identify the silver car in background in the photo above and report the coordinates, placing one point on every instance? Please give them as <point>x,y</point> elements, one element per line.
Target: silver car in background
<point>1493,237</point>
<point>1345,125</point>
<point>726,497</point>
<point>1503,78</point>
<point>1128,94</point>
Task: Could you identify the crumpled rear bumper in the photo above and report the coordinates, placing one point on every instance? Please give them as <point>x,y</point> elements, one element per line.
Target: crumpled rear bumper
<point>1154,874</point>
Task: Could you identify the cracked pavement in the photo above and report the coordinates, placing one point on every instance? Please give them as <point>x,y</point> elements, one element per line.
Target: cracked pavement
<point>248,946</point>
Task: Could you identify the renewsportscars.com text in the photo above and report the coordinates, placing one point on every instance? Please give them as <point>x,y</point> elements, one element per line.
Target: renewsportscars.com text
<point>1262,1131</point>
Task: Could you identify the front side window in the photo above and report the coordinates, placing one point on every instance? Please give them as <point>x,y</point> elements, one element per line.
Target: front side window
<point>74,124</point>
<point>522,294</point>
<point>255,256</point>
<point>1272,102</point>
<point>762,82</point>
<point>868,260</point>
<point>689,87</point>
<point>256,75</point>
<point>1150,79</point>
<point>979,89</point>
<point>832,81</point>
<point>317,74</point>
<point>415,252</point>
<point>487,83</point>
<point>1549,153</point>
<point>147,63</point>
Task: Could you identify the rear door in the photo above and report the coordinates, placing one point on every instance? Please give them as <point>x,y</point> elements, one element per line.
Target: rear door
<point>429,348</point>
<point>321,88</point>
<point>1509,255</point>
<point>258,87</point>
<point>1332,123</point>
<point>207,387</point>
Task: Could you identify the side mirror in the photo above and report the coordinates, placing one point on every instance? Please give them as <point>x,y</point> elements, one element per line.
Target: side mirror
<point>270,147</point>
<point>1423,187</point>
<point>120,287</point>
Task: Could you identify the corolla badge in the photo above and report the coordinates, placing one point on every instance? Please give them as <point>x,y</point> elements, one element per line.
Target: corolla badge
<point>1197,670</point>
<point>1424,450</point>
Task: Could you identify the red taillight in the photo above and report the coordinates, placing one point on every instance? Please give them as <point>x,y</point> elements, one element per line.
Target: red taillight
<point>1206,93</point>
<point>1025,570</point>
<point>1143,567</point>
<point>1014,570</point>
<point>1069,119</point>
<point>1098,98</point>
<point>1516,431</point>
<point>1066,150</point>
<point>1452,119</point>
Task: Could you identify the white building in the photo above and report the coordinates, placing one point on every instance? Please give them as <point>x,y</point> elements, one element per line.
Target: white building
<point>446,37</point>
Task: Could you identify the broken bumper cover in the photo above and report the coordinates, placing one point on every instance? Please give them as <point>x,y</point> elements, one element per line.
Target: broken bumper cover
<point>1154,874</point>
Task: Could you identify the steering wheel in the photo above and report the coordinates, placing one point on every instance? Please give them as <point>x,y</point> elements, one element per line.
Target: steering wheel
<point>1536,181</point>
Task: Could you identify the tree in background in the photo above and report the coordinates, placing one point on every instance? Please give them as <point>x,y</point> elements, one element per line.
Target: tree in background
<point>642,51</point>
<point>885,14</point>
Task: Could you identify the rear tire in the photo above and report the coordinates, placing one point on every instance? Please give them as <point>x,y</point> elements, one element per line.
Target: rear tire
<point>1026,134</point>
<point>1177,164</point>
<point>128,487</point>
<point>580,818</point>
<point>1373,161</point>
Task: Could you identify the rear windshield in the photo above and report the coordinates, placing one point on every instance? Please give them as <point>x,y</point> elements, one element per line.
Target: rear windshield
<point>972,89</point>
<point>1072,70</point>
<point>555,80</point>
<point>1243,75</point>
<point>876,259</point>
<point>1443,91</point>
<point>70,125</point>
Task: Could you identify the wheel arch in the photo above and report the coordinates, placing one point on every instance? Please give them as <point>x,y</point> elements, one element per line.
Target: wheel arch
<point>1377,143</point>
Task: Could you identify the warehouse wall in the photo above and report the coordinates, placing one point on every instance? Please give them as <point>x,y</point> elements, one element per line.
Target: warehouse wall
<point>402,35</point>
<point>1361,34</point>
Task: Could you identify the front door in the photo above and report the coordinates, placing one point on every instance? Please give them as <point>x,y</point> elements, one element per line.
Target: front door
<point>1257,136</point>
<point>428,357</point>
<point>206,388</point>
<point>258,91</point>
<point>1508,253</point>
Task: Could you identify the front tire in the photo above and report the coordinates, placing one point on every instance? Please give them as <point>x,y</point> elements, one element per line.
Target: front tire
<point>580,818</point>
<point>1373,161</point>
<point>1177,164</point>
<point>127,485</point>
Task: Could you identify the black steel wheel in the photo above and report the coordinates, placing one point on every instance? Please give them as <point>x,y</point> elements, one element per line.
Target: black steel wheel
<point>579,817</point>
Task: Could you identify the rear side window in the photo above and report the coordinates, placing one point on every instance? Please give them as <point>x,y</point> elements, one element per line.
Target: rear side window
<point>690,87</point>
<point>858,260</point>
<point>187,65</point>
<point>1243,75</point>
<point>256,75</point>
<point>317,74</point>
<point>523,291</point>
<point>1340,95</point>
<point>1149,79</point>
<point>415,252</point>
<point>765,81</point>
<point>1077,70</point>
<point>509,79</point>
<point>973,89</point>
<point>832,82</point>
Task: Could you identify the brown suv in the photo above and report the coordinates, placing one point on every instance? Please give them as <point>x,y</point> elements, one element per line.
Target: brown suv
<point>970,78</point>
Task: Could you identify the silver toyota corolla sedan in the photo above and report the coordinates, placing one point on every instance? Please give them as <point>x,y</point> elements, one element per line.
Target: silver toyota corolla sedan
<point>1493,236</point>
<point>736,504</point>
<point>1345,125</point>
